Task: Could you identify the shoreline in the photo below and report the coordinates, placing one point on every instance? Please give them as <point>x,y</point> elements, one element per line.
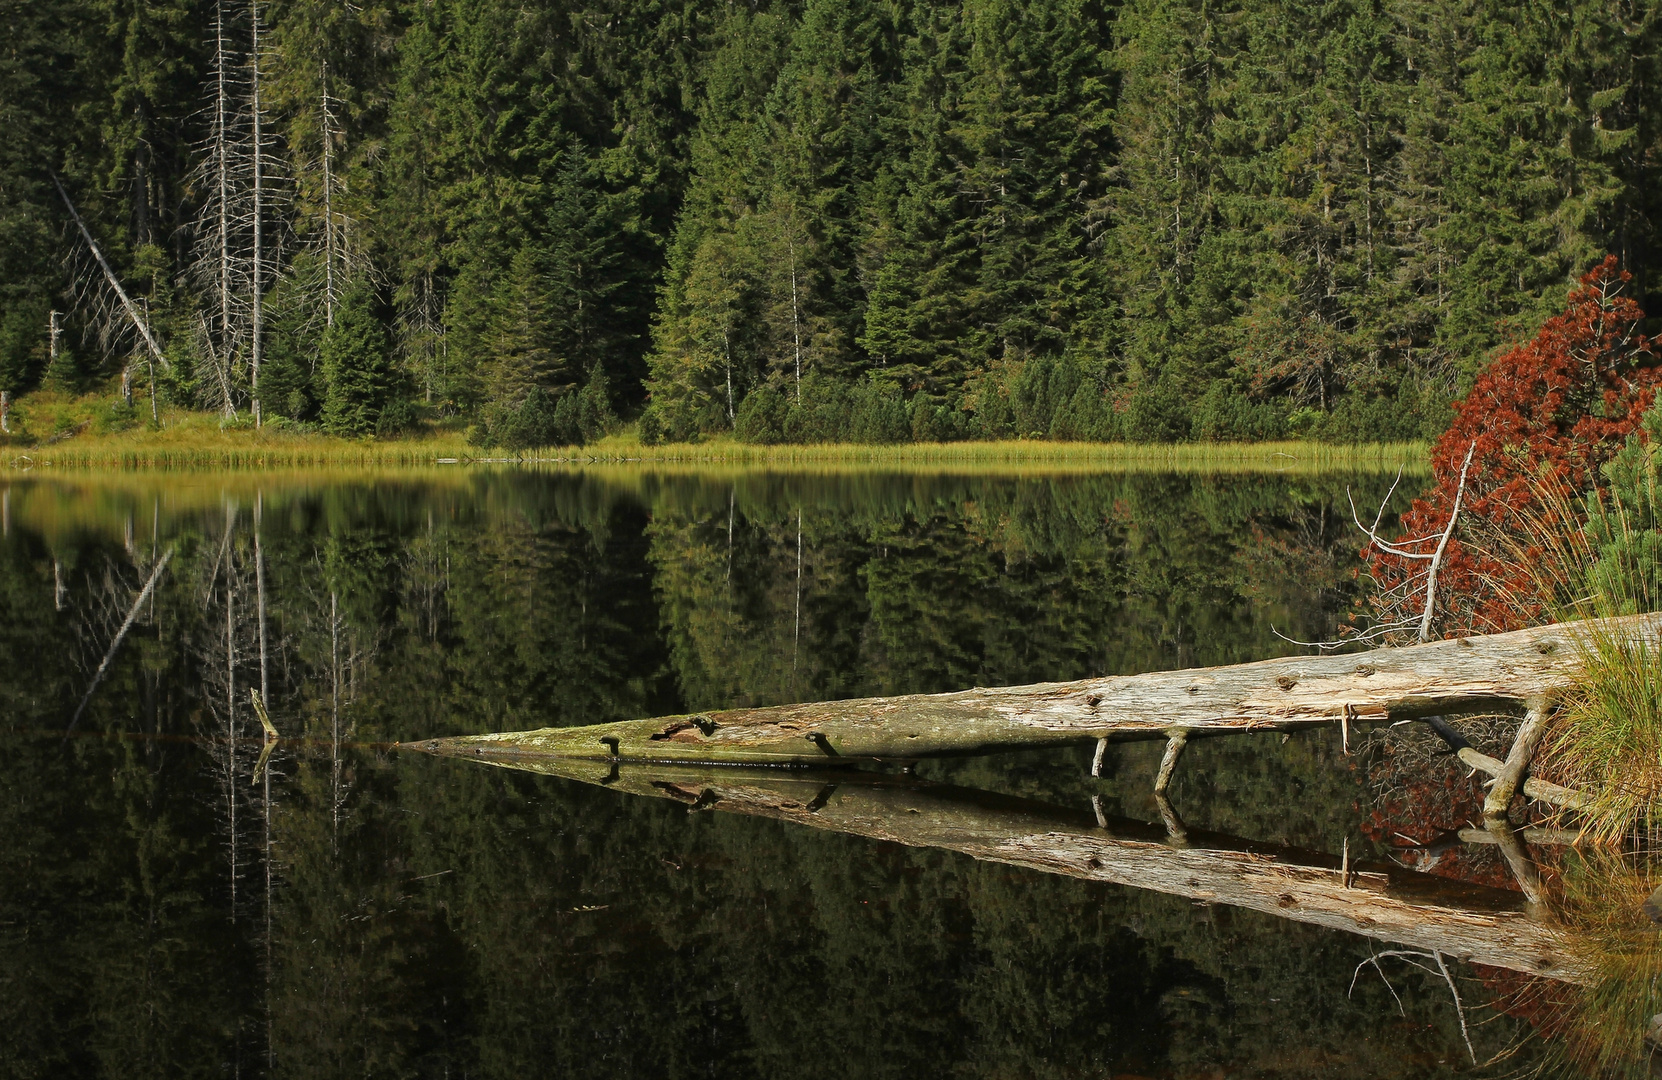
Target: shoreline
<point>196,447</point>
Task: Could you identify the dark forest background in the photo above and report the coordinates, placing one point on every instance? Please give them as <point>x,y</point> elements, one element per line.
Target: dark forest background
<point>1162,219</point>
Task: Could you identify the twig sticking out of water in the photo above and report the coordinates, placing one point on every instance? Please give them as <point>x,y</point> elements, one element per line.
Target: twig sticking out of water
<point>270,736</point>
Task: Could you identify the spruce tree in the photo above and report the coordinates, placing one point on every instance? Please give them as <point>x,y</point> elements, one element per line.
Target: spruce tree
<point>521,336</point>
<point>354,359</point>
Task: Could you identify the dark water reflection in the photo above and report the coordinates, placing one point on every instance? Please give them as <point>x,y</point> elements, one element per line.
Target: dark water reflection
<point>165,910</point>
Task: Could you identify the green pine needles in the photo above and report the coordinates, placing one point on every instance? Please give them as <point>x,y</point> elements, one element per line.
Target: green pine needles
<point>355,367</point>
<point>1158,220</point>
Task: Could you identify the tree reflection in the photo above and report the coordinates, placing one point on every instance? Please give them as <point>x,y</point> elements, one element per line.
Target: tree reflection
<point>422,919</point>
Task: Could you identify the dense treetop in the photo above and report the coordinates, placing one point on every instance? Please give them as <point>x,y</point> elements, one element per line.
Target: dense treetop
<point>1153,220</point>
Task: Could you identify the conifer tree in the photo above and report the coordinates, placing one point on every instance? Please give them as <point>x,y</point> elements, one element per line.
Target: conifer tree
<point>523,355</point>
<point>354,359</point>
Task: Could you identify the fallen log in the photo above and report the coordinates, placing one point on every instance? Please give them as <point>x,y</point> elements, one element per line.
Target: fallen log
<point>1476,674</point>
<point>1376,900</point>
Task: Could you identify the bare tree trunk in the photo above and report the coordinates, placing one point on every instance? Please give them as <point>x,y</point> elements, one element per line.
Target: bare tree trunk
<point>109,276</point>
<point>1442,546</point>
<point>120,636</point>
<point>334,710</point>
<point>259,589</point>
<point>796,641</point>
<point>265,813</point>
<point>796,321</point>
<point>256,285</point>
<point>222,178</point>
<point>328,206</point>
<point>150,368</point>
<point>231,735</point>
<point>727,360</point>
<point>6,411</point>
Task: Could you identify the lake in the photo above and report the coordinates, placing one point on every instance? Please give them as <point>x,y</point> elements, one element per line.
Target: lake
<point>172,904</point>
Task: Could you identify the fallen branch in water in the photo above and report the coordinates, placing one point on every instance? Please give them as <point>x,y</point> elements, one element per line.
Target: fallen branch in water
<point>1532,788</point>
<point>1474,674</point>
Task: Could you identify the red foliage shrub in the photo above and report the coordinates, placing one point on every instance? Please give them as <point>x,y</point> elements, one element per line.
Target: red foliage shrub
<point>1543,417</point>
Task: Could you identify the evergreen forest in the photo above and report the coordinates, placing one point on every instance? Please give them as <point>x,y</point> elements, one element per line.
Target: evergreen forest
<point>813,220</point>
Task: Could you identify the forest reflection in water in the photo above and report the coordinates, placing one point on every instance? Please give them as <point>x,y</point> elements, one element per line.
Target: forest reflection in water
<point>165,909</point>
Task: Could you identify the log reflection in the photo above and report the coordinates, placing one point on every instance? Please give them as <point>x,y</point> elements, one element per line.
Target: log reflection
<point>1475,923</point>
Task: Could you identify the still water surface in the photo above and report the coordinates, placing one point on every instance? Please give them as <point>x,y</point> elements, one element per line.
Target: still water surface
<point>169,907</point>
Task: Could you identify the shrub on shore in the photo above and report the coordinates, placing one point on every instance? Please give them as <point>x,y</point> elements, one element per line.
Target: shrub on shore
<point>1538,428</point>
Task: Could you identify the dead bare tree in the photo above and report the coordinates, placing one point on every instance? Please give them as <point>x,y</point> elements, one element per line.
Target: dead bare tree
<point>326,118</point>
<point>217,394</point>
<point>256,337</point>
<point>113,283</point>
<point>222,178</point>
<point>1405,549</point>
<point>1411,604</point>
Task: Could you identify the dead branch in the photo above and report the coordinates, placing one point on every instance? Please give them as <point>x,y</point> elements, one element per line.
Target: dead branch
<point>1442,545</point>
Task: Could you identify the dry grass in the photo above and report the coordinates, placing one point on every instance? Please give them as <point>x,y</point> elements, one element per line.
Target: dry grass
<point>1607,735</point>
<point>86,438</point>
<point>186,440</point>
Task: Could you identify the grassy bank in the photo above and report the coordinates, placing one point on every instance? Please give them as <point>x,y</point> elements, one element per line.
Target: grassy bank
<point>84,439</point>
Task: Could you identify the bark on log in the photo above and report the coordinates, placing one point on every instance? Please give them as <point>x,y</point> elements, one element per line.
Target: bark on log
<point>1443,677</point>
<point>1376,900</point>
<point>1528,740</point>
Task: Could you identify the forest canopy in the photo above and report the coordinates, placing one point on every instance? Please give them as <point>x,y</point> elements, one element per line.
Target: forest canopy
<point>831,219</point>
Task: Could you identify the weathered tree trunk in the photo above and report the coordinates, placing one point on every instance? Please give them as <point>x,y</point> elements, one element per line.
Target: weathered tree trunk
<point>221,143</point>
<point>1472,922</point>
<point>114,282</point>
<point>1444,677</point>
<point>256,284</point>
<point>325,118</point>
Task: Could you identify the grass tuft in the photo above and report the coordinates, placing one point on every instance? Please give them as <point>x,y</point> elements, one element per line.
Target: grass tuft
<point>1607,735</point>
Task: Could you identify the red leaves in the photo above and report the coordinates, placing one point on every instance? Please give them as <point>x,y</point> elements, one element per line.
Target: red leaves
<point>1542,418</point>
